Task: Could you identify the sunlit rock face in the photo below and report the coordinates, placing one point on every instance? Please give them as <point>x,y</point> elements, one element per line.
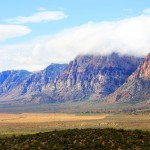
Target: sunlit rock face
<point>94,76</point>
<point>86,77</point>
<point>143,71</point>
<point>137,87</point>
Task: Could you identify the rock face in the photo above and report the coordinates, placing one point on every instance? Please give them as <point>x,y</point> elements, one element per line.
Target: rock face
<point>93,76</point>
<point>86,77</point>
<point>137,87</point>
<point>30,86</point>
<point>40,81</point>
<point>10,79</point>
<point>143,71</point>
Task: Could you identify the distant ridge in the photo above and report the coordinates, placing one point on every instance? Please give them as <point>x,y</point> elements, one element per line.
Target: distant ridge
<point>11,78</point>
<point>29,86</point>
<point>86,77</point>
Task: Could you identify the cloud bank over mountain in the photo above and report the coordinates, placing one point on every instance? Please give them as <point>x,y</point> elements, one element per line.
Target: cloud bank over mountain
<point>127,36</point>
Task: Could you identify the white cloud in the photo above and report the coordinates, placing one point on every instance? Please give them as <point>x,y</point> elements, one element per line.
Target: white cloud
<point>146,11</point>
<point>128,36</point>
<point>41,9</point>
<point>12,31</point>
<point>42,16</point>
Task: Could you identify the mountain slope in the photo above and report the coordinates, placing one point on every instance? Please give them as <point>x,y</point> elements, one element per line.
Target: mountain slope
<point>32,86</point>
<point>39,81</point>
<point>137,87</point>
<point>93,76</point>
<point>86,77</point>
<point>10,79</point>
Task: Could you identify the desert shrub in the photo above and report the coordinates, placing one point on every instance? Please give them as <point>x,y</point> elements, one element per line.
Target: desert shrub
<point>88,139</point>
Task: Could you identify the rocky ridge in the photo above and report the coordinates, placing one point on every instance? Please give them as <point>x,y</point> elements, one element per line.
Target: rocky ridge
<point>30,87</point>
<point>93,76</point>
<point>86,77</point>
<point>137,86</point>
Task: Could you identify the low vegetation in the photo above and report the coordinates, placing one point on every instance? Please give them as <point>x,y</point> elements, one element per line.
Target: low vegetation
<point>88,139</point>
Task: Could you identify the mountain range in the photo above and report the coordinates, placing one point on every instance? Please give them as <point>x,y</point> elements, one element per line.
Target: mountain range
<point>114,78</point>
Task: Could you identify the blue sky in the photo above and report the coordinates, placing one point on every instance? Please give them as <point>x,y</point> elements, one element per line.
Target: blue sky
<point>35,33</point>
<point>78,11</point>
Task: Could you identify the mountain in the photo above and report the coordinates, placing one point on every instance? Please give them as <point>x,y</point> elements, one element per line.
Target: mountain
<point>91,76</point>
<point>10,79</point>
<point>86,77</point>
<point>31,87</point>
<point>137,86</point>
<point>39,81</point>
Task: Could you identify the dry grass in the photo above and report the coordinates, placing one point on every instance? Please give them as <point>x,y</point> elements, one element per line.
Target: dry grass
<point>44,117</point>
<point>26,123</point>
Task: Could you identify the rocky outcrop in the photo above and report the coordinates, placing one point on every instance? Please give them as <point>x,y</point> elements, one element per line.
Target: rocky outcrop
<point>137,87</point>
<point>93,76</point>
<point>143,71</point>
<point>86,77</point>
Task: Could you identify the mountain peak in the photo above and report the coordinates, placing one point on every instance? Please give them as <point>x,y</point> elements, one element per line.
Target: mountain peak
<point>148,57</point>
<point>94,76</point>
<point>86,77</point>
<point>143,71</point>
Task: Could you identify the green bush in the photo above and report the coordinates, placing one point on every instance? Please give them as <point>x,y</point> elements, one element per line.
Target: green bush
<point>88,139</point>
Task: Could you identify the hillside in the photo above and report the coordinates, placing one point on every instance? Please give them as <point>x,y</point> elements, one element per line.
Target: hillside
<point>86,77</point>
<point>10,79</point>
<point>93,76</point>
<point>137,86</point>
<point>30,86</point>
<point>85,139</point>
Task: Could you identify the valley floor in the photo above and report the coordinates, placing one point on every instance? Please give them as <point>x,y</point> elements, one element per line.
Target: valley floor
<point>28,123</point>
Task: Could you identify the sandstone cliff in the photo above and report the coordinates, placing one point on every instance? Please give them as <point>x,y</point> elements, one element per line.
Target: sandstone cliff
<point>93,76</point>
<point>86,77</point>
<point>137,87</point>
